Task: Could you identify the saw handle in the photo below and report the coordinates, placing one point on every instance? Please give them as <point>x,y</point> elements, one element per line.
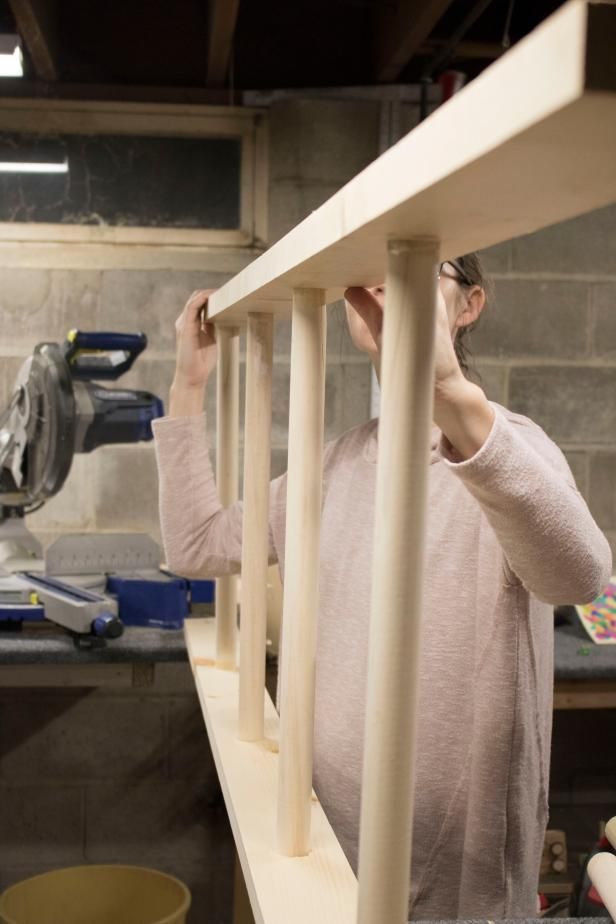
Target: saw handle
<point>102,355</point>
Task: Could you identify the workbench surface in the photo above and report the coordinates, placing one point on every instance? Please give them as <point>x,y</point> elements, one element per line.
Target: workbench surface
<point>575,656</point>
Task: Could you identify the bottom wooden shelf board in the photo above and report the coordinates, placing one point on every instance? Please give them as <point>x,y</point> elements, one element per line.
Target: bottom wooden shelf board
<point>318,889</point>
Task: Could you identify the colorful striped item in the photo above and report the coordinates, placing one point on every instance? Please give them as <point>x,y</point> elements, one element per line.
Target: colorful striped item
<point>599,617</point>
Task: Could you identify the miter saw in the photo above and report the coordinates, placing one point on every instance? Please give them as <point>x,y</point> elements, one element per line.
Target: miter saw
<point>58,407</point>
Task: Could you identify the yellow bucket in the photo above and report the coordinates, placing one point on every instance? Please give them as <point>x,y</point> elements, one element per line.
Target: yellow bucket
<point>97,895</point>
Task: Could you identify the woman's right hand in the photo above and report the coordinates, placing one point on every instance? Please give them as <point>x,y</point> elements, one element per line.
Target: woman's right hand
<point>196,354</point>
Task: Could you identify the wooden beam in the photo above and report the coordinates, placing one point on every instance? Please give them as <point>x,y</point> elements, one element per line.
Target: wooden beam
<point>36,24</point>
<point>400,30</point>
<point>223,18</point>
<point>257,442</point>
<point>466,50</point>
<point>407,378</point>
<point>318,888</point>
<point>227,461</point>
<point>301,570</point>
<point>542,149</point>
<point>584,694</point>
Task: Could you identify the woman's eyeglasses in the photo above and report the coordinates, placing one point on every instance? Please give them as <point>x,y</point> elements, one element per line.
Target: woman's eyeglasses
<point>460,275</point>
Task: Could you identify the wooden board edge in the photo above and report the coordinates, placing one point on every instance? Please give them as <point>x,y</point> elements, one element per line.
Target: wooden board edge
<point>320,887</point>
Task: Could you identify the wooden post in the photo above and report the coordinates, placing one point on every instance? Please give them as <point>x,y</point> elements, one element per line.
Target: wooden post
<point>301,570</point>
<point>602,872</point>
<point>227,449</point>
<point>403,455</point>
<point>253,620</point>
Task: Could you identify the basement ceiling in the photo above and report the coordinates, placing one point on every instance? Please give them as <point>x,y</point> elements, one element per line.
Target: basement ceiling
<point>211,51</point>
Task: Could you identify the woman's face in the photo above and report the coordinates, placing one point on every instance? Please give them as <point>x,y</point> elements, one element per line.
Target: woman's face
<point>373,300</point>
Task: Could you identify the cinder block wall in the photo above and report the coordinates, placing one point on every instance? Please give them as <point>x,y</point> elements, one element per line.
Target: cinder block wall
<point>547,346</point>
<point>127,776</point>
<point>105,777</point>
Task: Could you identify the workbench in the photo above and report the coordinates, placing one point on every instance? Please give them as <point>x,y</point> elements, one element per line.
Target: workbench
<point>584,673</point>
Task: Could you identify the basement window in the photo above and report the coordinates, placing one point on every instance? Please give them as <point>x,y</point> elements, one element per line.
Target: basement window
<point>131,173</point>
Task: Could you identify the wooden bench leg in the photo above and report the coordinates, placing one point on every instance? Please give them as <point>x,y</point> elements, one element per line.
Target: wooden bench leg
<point>402,474</point>
<point>301,570</point>
<point>227,450</point>
<point>257,438</point>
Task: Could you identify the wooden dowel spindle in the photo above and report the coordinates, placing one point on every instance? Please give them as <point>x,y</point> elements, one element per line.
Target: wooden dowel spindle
<point>602,872</point>
<point>300,604</point>
<point>227,450</point>
<point>257,439</point>
<point>402,472</point>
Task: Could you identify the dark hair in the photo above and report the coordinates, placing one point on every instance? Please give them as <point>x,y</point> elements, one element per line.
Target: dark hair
<point>475,275</point>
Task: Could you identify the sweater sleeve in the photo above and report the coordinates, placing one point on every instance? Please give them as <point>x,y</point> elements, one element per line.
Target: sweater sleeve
<point>551,543</point>
<point>201,538</point>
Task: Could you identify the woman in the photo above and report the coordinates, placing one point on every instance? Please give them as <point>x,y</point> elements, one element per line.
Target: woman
<point>508,536</point>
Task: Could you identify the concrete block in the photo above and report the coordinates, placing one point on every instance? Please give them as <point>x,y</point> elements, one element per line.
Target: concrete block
<point>291,200</point>
<point>9,367</point>
<point>125,495</point>
<point>190,755</point>
<point>497,259</point>
<point>72,508</point>
<point>492,378</point>
<point>153,375</point>
<point>354,395</point>
<point>339,343</point>
<point>579,464</point>
<point>574,404</point>
<point>150,301</point>
<point>582,245</point>
<point>173,677</point>
<point>210,882</point>
<point>78,738</point>
<point>604,320</point>
<point>38,305</point>
<point>532,318</point>
<point>610,535</point>
<point>41,824</point>
<point>149,823</point>
<point>280,403</point>
<point>11,875</point>
<point>322,139</point>
<point>602,489</point>
<point>279,462</point>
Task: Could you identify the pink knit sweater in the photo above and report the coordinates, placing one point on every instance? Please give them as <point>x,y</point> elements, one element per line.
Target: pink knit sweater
<point>508,536</point>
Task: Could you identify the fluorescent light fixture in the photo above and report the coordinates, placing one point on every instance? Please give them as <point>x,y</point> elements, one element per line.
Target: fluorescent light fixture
<point>11,59</point>
<point>9,166</point>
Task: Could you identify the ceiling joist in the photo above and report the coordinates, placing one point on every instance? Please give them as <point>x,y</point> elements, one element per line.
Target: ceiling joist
<point>401,29</point>
<point>36,24</point>
<point>223,18</point>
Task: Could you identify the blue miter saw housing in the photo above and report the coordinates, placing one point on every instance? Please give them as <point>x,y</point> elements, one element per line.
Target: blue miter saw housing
<point>92,585</point>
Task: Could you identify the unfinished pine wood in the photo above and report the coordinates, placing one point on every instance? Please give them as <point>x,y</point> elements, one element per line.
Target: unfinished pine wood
<point>318,888</point>
<point>227,453</point>
<point>529,142</point>
<point>37,22</point>
<point>602,872</point>
<point>301,573</point>
<point>255,544</point>
<point>585,694</point>
<point>610,831</point>
<point>407,377</point>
